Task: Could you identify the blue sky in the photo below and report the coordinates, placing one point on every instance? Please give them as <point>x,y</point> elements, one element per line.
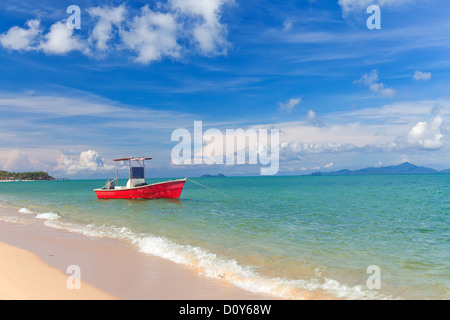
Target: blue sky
<point>342,95</point>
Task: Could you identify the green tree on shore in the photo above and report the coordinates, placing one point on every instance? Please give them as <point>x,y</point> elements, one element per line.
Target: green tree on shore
<point>37,175</point>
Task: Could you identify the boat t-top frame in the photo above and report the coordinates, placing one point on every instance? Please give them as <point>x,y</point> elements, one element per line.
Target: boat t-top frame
<point>134,173</point>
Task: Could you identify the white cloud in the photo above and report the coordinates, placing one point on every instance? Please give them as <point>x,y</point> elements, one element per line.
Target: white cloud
<point>390,130</point>
<point>31,109</point>
<point>289,105</point>
<point>60,40</point>
<point>421,76</point>
<point>153,35</point>
<point>427,135</point>
<point>31,119</point>
<point>19,161</point>
<point>312,117</point>
<point>107,18</point>
<point>209,33</point>
<point>287,25</point>
<point>350,6</point>
<point>382,90</point>
<point>329,165</point>
<point>372,81</point>
<point>369,78</point>
<point>88,161</point>
<point>18,38</point>
<point>298,147</point>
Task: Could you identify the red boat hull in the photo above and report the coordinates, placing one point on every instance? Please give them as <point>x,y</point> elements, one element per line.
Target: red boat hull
<point>169,189</point>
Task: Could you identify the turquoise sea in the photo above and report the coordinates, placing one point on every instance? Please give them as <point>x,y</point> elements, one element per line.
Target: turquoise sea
<point>276,235</point>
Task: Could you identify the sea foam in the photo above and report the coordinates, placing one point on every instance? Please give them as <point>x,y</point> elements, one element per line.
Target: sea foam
<point>11,219</point>
<point>48,216</point>
<point>212,265</point>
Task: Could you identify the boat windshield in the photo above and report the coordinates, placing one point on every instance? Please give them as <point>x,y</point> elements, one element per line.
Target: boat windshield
<point>137,173</point>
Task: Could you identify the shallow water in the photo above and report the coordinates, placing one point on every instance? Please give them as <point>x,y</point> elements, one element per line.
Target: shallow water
<point>276,235</point>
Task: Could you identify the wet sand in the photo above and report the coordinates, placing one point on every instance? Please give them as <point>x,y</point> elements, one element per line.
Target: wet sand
<point>24,276</point>
<point>34,261</point>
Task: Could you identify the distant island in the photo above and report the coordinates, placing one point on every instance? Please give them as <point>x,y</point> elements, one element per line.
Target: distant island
<point>404,168</point>
<point>25,176</point>
<point>213,176</point>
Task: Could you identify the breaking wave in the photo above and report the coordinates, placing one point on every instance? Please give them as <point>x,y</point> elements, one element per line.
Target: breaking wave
<point>48,216</point>
<point>212,265</point>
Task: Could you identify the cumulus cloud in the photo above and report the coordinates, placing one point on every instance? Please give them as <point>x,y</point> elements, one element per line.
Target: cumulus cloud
<point>88,161</point>
<point>208,32</point>
<point>20,39</point>
<point>421,76</point>
<point>19,161</point>
<point>289,105</point>
<point>399,128</point>
<point>107,17</point>
<point>173,27</point>
<point>371,80</point>
<point>60,40</point>
<point>152,35</point>
<point>427,134</point>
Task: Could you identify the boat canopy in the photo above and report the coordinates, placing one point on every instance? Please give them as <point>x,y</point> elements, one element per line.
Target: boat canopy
<point>133,159</point>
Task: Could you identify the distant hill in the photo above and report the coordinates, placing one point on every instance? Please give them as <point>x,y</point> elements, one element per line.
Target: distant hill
<point>404,168</point>
<point>213,176</point>
<point>25,176</point>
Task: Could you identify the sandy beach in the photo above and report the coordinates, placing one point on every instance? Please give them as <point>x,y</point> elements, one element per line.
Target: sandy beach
<point>24,276</point>
<point>34,262</point>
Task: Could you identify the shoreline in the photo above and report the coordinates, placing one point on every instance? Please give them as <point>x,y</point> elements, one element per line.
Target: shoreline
<point>110,269</point>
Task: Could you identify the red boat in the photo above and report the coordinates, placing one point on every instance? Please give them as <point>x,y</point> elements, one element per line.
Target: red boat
<point>137,187</point>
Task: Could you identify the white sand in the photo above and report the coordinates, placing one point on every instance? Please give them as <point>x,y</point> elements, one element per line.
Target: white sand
<point>24,276</point>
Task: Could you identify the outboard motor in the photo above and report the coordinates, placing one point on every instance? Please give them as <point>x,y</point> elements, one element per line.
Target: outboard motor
<point>110,184</point>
